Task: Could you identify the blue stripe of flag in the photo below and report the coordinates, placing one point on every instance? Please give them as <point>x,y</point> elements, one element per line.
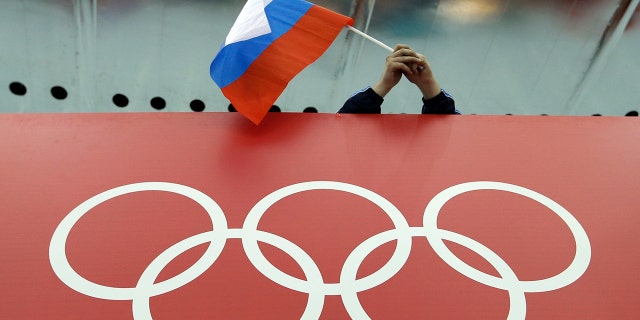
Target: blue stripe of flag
<point>233,60</point>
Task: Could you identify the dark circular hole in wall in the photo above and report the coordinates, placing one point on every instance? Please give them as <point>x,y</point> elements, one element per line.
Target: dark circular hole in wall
<point>120,100</point>
<point>274,108</point>
<point>18,88</point>
<point>59,92</point>
<point>197,105</point>
<point>158,103</point>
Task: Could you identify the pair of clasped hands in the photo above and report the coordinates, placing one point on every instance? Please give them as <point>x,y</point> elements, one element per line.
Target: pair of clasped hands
<point>414,66</point>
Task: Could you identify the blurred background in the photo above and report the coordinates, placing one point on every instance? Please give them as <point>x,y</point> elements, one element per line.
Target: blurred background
<point>522,57</point>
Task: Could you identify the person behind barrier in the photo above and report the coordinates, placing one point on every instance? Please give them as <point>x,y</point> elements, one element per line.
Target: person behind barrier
<point>415,67</point>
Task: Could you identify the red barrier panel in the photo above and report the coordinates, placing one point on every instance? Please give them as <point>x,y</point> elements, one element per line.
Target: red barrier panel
<point>201,216</point>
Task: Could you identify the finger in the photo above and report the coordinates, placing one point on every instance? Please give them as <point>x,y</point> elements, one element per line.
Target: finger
<point>405,52</point>
<point>401,46</point>
<point>400,66</point>
<point>415,67</point>
<point>422,64</point>
<point>405,59</point>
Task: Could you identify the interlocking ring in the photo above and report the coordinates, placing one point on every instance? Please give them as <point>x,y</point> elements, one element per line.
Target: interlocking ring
<point>349,285</point>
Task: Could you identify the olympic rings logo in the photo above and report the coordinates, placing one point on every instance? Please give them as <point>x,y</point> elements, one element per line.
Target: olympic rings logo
<point>349,286</point>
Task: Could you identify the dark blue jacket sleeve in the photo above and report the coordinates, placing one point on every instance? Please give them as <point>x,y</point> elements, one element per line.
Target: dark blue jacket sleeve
<point>368,101</point>
<point>365,101</point>
<point>443,103</point>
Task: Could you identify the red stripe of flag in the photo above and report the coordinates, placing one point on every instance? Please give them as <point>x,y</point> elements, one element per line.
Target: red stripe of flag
<point>267,77</point>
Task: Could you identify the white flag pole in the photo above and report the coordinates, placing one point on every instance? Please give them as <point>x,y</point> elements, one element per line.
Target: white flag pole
<point>370,38</point>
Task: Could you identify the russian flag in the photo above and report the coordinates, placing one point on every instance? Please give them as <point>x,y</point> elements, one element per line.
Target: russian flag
<point>269,44</point>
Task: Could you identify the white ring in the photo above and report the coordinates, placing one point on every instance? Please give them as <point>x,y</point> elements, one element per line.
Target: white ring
<point>64,271</point>
<point>574,271</point>
<point>266,268</point>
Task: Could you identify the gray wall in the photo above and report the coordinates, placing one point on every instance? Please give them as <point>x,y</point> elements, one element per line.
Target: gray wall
<point>561,57</point>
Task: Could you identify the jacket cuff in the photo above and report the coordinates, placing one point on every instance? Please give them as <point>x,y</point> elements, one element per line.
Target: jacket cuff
<point>375,98</point>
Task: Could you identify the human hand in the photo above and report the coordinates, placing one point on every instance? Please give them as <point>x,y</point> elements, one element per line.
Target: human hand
<point>403,60</point>
<point>422,76</point>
